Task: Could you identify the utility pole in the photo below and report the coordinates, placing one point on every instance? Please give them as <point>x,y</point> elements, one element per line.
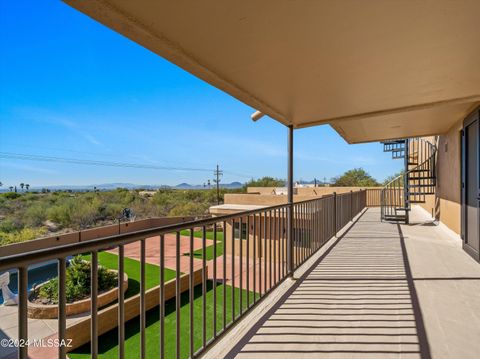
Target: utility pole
<point>217,173</point>
<point>315,182</point>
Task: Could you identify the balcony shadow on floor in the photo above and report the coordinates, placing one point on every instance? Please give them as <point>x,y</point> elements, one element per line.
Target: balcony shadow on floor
<point>358,299</point>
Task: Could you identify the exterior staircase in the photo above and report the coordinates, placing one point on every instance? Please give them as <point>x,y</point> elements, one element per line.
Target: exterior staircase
<point>416,181</point>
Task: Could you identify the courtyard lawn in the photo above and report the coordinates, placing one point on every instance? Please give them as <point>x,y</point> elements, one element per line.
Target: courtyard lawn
<point>132,268</point>
<point>108,344</point>
<point>209,249</point>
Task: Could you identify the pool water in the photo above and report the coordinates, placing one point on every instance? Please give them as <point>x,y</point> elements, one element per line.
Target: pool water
<point>36,276</point>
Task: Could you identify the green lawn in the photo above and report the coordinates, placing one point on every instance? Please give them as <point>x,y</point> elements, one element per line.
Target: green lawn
<point>108,342</point>
<point>208,250</point>
<point>132,268</point>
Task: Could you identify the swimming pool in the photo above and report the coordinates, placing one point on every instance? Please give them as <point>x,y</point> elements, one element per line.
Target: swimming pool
<point>37,275</point>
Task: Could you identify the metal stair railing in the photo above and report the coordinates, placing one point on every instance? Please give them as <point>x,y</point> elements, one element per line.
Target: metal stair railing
<point>417,181</point>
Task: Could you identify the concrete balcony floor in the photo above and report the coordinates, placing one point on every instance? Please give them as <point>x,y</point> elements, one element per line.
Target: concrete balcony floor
<point>381,290</point>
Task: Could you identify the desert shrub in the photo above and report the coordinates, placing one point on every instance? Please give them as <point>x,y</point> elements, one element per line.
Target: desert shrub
<point>11,195</point>
<point>9,225</point>
<point>25,234</point>
<point>35,215</point>
<point>81,210</point>
<point>188,209</point>
<point>77,285</point>
<point>84,213</point>
<point>60,214</point>
<point>113,210</point>
<point>29,197</point>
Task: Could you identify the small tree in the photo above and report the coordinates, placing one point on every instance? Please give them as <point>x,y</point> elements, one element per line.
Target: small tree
<point>265,182</point>
<point>392,177</point>
<point>22,185</point>
<point>27,186</point>
<point>10,188</point>
<point>357,177</point>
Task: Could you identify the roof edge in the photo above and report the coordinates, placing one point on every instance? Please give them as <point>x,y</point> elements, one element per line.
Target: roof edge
<point>111,16</point>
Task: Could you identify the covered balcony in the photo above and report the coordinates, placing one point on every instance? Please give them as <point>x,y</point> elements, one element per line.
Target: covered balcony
<point>378,290</point>
<point>358,288</point>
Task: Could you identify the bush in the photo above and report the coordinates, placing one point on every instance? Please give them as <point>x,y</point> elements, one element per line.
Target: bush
<point>78,282</point>
<point>35,215</point>
<point>60,214</point>
<point>26,234</point>
<point>113,210</point>
<point>265,182</point>
<point>11,195</point>
<point>9,225</point>
<point>82,210</point>
<point>188,209</point>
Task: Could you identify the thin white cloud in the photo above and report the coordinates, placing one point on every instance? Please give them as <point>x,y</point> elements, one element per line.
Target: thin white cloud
<point>74,127</point>
<point>43,116</point>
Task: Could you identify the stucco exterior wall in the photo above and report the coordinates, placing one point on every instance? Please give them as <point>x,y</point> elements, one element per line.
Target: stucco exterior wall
<point>92,233</point>
<point>306,191</point>
<point>264,196</point>
<point>445,205</point>
<point>269,241</point>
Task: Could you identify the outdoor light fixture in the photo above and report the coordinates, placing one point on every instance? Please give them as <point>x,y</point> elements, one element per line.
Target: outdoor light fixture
<point>257,115</point>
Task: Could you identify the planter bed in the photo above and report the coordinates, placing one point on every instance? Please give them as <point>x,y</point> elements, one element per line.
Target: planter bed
<point>50,311</point>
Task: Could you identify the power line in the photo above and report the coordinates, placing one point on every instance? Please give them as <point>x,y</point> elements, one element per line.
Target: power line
<point>30,157</point>
<point>96,154</point>
<point>42,158</point>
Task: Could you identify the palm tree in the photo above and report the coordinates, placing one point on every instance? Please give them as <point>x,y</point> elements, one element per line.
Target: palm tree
<point>10,188</point>
<point>27,186</point>
<point>22,185</point>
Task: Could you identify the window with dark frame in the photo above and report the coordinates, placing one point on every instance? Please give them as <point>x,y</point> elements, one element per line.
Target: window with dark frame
<point>236,230</point>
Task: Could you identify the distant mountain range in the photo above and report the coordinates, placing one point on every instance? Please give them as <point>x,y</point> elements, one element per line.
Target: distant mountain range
<point>231,185</point>
<point>112,186</point>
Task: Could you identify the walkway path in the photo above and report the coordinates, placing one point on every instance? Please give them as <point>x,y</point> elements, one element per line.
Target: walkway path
<point>382,291</point>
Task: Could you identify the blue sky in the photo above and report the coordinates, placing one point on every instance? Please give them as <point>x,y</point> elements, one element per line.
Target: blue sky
<point>70,87</point>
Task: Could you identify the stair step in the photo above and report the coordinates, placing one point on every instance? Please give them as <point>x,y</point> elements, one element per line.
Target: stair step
<point>419,201</point>
<point>422,178</point>
<point>390,142</point>
<point>395,218</point>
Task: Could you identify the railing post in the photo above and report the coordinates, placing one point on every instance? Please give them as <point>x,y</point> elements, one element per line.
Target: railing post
<point>290,203</point>
<point>406,189</point>
<point>351,205</point>
<point>335,213</point>
<point>23,312</point>
<point>62,307</point>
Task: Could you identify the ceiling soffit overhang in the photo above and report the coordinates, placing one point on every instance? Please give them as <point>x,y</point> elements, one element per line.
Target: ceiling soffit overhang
<point>363,67</point>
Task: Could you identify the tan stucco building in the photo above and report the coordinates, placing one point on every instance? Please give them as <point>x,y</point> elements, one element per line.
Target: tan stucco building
<point>272,238</point>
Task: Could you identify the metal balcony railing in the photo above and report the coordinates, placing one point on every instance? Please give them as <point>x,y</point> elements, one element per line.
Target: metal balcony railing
<point>257,256</point>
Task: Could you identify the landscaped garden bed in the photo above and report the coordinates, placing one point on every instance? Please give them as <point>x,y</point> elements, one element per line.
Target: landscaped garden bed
<point>43,300</point>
